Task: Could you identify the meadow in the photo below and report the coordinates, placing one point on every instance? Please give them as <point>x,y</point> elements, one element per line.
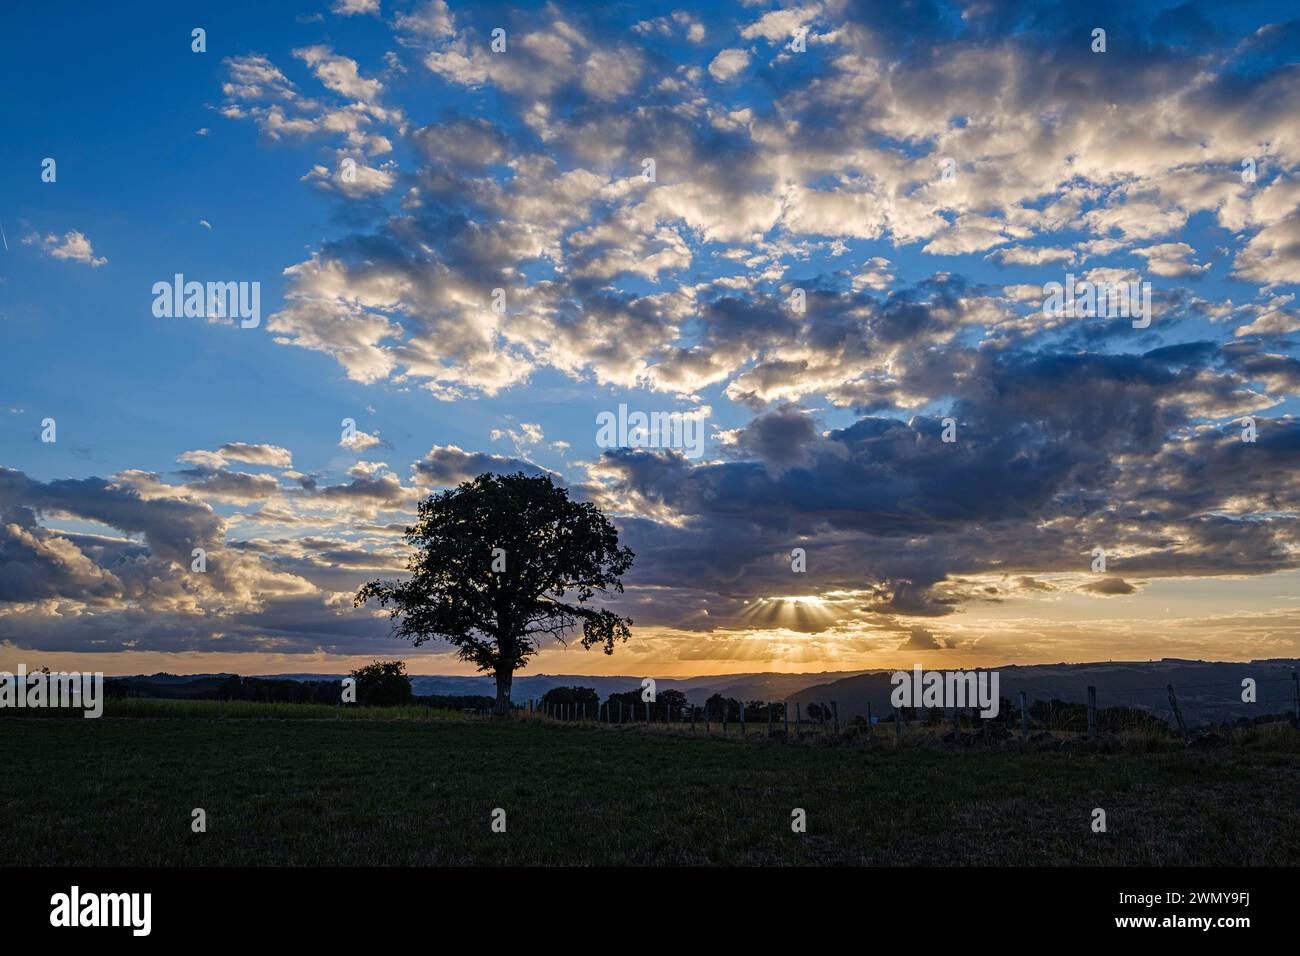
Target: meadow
<point>294,785</point>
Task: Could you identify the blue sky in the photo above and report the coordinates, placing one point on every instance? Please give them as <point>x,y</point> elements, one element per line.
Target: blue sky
<point>777,169</point>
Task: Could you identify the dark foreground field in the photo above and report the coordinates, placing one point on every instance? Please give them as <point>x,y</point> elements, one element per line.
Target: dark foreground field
<point>325,792</point>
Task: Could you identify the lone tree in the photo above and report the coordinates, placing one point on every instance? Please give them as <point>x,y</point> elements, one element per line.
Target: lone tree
<point>383,684</point>
<point>494,560</point>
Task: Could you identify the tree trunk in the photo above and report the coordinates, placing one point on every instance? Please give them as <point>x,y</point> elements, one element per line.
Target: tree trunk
<point>503,693</point>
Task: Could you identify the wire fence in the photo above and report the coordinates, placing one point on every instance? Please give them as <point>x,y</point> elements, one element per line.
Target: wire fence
<point>1158,709</point>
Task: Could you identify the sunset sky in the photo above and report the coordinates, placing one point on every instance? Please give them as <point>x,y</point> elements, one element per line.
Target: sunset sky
<point>918,172</point>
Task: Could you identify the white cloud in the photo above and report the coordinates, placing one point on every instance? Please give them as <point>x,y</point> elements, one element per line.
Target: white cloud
<point>73,247</point>
<point>339,73</point>
<point>1170,259</point>
<point>431,21</point>
<point>727,64</point>
<point>348,8</point>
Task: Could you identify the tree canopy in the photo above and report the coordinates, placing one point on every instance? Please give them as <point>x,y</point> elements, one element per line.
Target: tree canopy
<point>500,563</point>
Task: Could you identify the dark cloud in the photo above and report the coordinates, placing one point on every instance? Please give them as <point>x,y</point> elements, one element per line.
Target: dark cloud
<point>445,466</point>
<point>1109,586</point>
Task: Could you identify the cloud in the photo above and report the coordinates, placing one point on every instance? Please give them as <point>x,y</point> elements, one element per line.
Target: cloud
<point>73,247</point>
<point>728,64</point>
<point>1032,255</point>
<point>448,465</point>
<point>1272,256</point>
<point>349,8</point>
<point>429,20</point>
<point>353,178</point>
<point>920,639</point>
<point>339,73</point>
<point>1108,587</point>
<point>359,441</point>
<point>250,453</point>
<point>254,77</point>
<point>1170,259</point>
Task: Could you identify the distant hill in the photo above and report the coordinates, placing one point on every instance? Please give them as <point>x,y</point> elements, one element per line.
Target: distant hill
<point>1207,691</point>
<point>759,686</point>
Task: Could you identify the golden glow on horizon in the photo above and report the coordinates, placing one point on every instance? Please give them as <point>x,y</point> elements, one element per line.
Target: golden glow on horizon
<point>1218,618</point>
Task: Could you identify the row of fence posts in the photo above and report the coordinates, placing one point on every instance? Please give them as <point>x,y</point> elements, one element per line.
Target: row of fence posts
<point>613,713</point>
<point>604,714</point>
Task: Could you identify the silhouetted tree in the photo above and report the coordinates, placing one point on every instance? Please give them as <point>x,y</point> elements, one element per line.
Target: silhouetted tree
<point>572,697</point>
<point>755,711</point>
<point>718,707</point>
<point>493,560</point>
<point>383,684</point>
<point>670,703</point>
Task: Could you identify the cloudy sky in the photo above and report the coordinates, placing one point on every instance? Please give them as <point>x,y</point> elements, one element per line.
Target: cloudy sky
<point>841,240</point>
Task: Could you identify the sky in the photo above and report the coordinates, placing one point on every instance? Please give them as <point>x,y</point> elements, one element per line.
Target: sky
<point>824,233</point>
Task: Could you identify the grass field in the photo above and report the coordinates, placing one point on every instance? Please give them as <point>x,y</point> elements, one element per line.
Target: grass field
<point>422,792</point>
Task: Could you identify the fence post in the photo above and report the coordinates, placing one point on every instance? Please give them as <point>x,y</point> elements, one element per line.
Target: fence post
<point>956,721</point>
<point>1024,716</point>
<point>742,718</point>
<point>707,729</point>
<point>785,714</point>
<point>870,730</point>
<point>1295,682</point>
<point>692,718</point>
<point>724,718</point>
<point>769,719</point>
<point>1092,713</point>
<point>835,709</point>
<point>1178,714</point>
<point>798,721</point>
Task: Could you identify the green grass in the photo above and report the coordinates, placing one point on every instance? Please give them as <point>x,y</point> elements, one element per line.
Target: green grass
<point>248,709</point>
<point>421,792</point>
